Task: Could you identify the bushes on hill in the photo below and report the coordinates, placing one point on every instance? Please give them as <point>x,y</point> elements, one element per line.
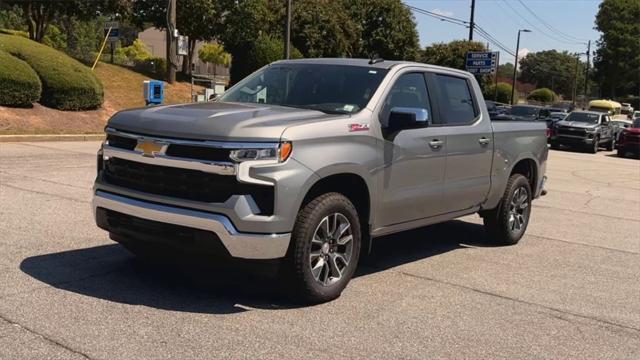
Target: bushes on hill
<point>504,92</point>
<point>542,95</point>
<point>66,83</point>
<point>19,84</point>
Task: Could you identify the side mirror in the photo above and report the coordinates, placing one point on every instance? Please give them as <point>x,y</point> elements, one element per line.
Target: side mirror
<point>215,97</point>
<point>408,117</point>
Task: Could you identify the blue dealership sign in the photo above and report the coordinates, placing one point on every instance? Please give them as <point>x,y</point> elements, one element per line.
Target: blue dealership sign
<point>482,62</point>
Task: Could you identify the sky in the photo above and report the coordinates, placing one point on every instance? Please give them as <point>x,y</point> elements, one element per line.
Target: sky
<point>556,23</point>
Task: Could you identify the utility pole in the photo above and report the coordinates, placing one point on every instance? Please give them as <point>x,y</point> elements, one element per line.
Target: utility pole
<point>171,41</point>
<point>287,37</point>
<point>515,66</point>
<point>575,80</point>
<point>471,22</point>
<point>586,72</point>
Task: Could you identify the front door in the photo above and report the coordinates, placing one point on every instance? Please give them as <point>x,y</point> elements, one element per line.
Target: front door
<point>414,157</point>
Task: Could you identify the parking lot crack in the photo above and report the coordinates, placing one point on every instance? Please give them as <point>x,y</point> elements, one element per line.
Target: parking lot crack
<point>509,298</point>
<point>45,337</point>
<point>45,193</point>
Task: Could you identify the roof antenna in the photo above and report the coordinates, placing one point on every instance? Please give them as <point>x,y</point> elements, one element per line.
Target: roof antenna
<point>375,58</point>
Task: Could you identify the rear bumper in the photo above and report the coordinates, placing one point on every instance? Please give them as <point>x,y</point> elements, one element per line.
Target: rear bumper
<point>239,245</point>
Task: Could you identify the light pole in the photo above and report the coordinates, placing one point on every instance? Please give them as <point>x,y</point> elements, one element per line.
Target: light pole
<point>515,66</point>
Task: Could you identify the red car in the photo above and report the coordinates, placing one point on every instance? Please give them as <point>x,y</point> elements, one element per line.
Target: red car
<point>629,140</point>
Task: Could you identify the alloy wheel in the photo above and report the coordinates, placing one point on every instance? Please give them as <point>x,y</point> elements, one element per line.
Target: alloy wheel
<point>331,249</point>
<point>519,210</point>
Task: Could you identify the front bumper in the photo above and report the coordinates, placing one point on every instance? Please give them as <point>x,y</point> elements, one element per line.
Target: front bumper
<point>238,244</point>
<point>571,140</point>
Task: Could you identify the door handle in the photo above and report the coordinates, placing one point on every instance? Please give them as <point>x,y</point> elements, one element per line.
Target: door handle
<point>484,141</point>
<point>436,144</point>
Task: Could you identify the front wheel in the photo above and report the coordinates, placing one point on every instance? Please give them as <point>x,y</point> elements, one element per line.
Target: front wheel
<point>596,144</point>
<point>507,223</point>
<point>326,244</point>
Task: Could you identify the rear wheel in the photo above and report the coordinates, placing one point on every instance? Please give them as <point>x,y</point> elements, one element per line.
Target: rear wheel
<point>621,152</point>
<point>611,145</point>
<point>507,223</point>
<point>326,244</point>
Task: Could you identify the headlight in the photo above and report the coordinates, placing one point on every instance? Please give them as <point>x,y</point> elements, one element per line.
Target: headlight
<point>280,153</point>
<point>590,130</point>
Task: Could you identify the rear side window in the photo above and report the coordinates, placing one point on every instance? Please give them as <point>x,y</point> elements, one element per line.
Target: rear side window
<point>455,100</point>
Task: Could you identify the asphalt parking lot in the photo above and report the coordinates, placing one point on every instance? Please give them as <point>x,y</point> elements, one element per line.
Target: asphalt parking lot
<point>570,289</point>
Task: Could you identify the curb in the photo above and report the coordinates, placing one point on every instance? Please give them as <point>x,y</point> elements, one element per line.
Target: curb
<point>52,137</point>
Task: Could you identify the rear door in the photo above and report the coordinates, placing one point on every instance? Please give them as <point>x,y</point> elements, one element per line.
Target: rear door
<point>412,176</point>
<point>469,142</point>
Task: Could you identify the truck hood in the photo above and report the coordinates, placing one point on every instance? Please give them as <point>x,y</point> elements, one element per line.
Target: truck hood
<point>215,121</point>
<point>576,124</point>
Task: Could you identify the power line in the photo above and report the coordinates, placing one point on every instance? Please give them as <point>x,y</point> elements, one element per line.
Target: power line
<point>477,28</point>
<point>543,32</point>
<point>550,27</point>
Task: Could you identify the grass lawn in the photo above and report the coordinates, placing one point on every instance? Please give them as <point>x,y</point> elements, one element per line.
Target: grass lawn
<point>122,90</point>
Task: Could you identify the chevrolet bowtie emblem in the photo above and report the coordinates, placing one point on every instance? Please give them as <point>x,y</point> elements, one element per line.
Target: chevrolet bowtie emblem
<point>149,148</point>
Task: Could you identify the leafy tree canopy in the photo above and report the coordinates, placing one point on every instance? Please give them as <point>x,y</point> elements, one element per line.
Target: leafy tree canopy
<point>387,29</point>
<point>617,59</point>
<point>552,69</point>
<point>452,54</point>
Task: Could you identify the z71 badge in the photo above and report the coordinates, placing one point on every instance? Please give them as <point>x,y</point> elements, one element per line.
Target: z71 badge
<point>358,127</point>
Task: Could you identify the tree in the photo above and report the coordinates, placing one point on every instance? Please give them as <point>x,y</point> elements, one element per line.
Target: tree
<point>506,71</point>
<point>452,54</point>
<point>38,14</point>
<point>214,54</point>
<point>387,29</point>
<point>197,19</point>
<point>322,28</point>
<point>554,70</point>
<point>504,92</point>
<point>617,60</point>
<point>544,95</point>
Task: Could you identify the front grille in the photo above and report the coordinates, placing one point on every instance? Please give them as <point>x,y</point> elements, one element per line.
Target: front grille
<point>571,131</point>
<point>122,142</point>
<point>199,152</point>
<point>176,150</point>
<point>184,183</point>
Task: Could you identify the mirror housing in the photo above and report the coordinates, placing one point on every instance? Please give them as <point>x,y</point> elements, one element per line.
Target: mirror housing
<point>407,117</point>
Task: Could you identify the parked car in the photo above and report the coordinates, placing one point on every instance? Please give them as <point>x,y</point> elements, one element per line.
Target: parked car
<point>525,113</point>
<point>617,126</point>
<point>626,109</point>
<point>305,161</point>
<point>629,140</point>
<point>551,121</point>
<point>636,115</point>
<point>586,129</point>
<point>497,108</point>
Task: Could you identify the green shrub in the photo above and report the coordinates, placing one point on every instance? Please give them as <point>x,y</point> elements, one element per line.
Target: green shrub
<point>504,93</point>
<point>19,84</point>
<point>252,56</point>
<point>136,53</point>
<point>542,95</point>
<point>66,83</point>
<point>15,32</point>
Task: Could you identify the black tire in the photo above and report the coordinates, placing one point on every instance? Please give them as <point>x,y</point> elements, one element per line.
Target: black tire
<point>596,145</point>
<point>555,145</point>
<point>496,221</point>
<point>611,145</point>
<point>621,153</point>
<point>308,221</point>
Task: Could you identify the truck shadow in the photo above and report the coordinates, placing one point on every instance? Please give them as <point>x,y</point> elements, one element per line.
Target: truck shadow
<point>110,273</point>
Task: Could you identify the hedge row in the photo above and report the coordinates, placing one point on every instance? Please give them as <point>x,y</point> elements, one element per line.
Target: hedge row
<point>19,84</point>
<point>66,83</point>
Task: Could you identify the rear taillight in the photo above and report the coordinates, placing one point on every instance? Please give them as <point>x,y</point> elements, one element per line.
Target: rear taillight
<point>550,133</point>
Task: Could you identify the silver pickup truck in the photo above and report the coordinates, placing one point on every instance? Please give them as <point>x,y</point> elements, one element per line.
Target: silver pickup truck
<point>308,161</point>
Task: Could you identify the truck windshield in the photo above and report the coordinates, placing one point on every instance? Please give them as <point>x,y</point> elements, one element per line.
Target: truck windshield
<point>583,117</point>
<point>334,89</point>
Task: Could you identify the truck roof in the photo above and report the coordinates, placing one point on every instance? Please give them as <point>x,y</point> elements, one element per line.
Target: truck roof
<point>382,64</point>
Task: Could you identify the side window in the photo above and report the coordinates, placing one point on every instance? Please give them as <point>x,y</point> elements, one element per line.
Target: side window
<point>409,91</point>
<point>454,100</point>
